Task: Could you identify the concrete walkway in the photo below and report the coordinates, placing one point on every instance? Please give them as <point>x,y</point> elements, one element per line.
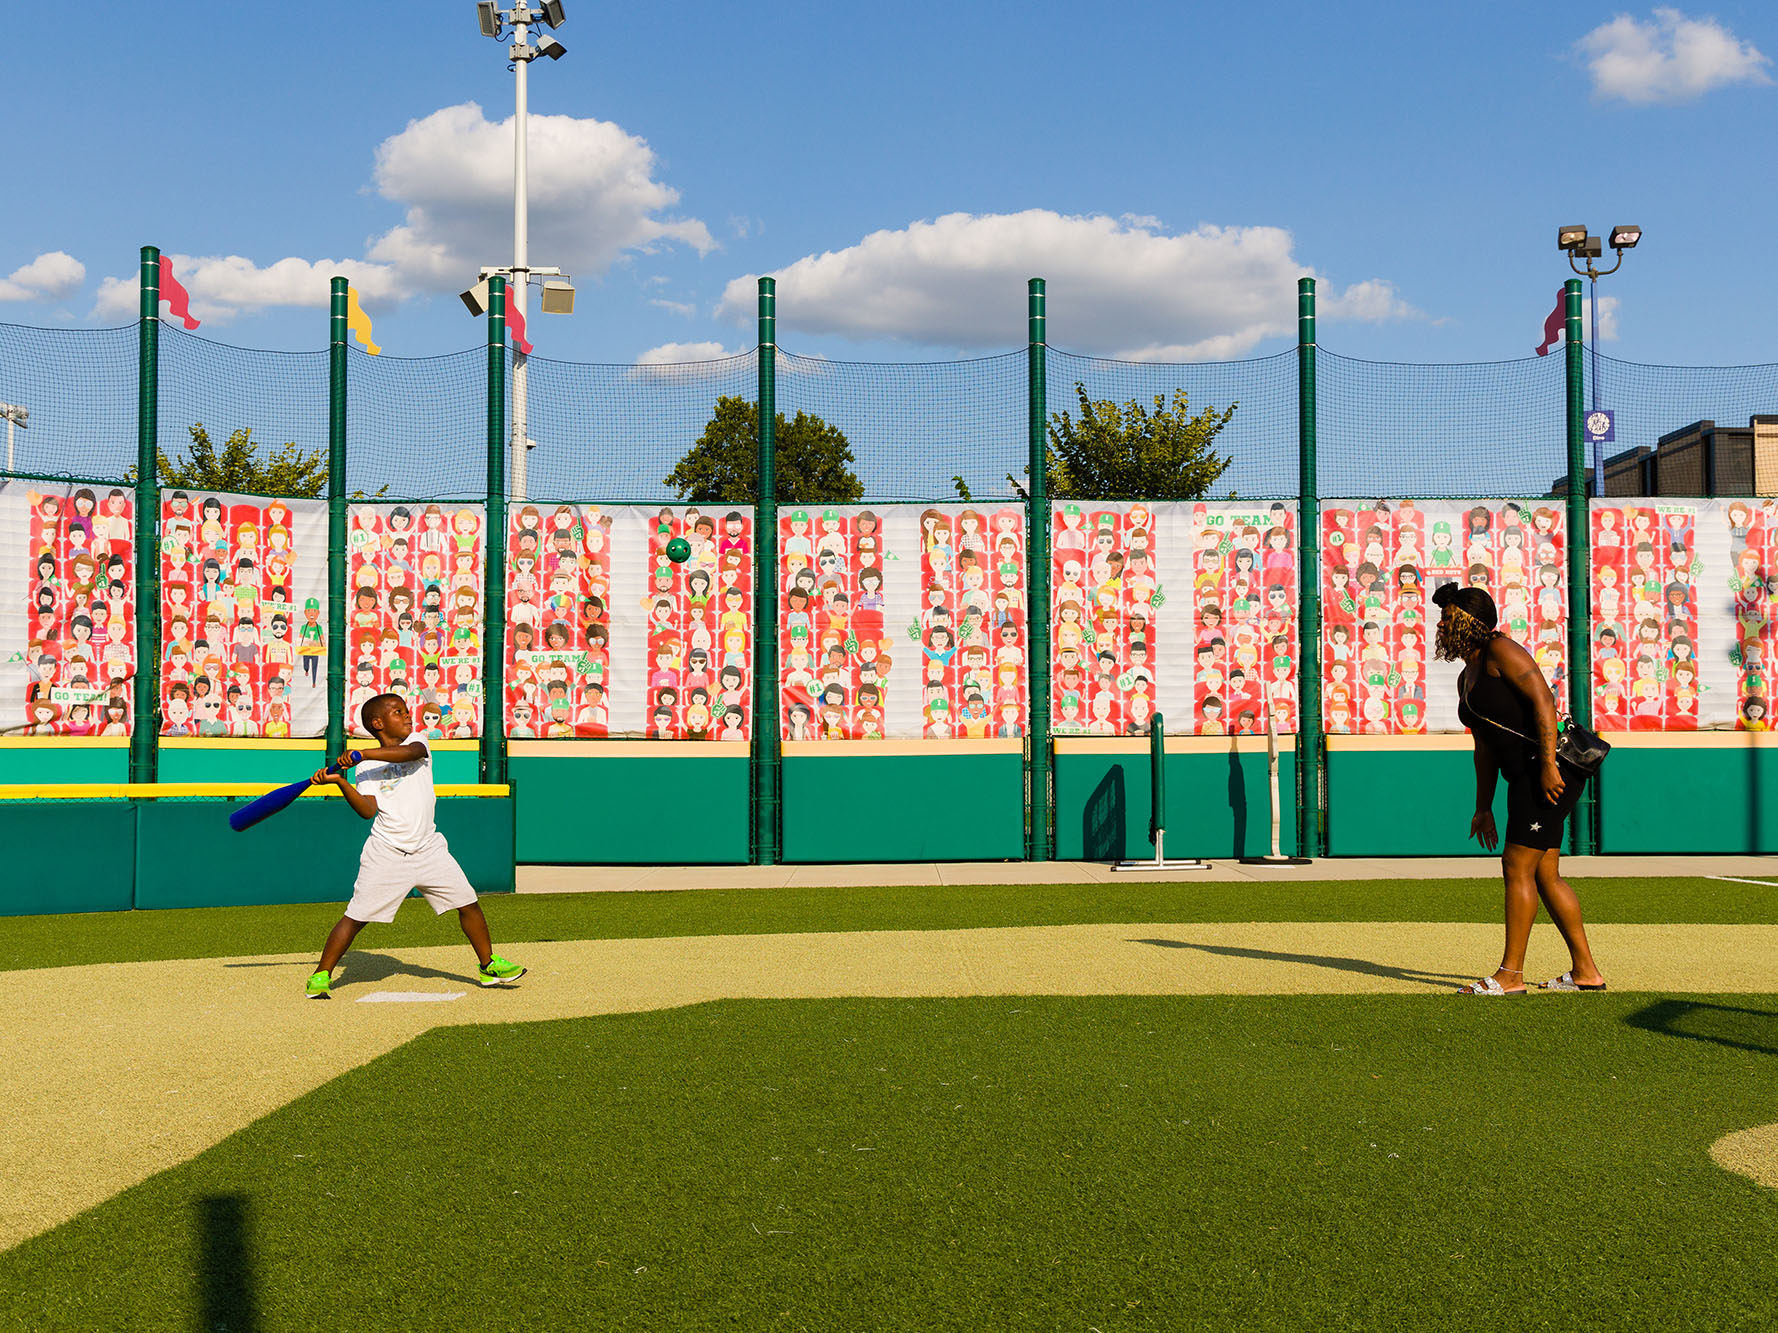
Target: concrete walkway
<point>609,879</point>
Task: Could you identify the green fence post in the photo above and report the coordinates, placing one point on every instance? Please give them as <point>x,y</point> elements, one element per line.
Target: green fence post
<point>493,751</point>
<point>766,757</point>
<point>1311,826</point>
<point>1040,842</point>
<point>1580,541</point>
<point>336,516</point>
<point>145,715</point>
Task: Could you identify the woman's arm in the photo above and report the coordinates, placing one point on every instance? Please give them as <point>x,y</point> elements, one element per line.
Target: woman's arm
<point>1520,670</point>
<point>1487,769</point>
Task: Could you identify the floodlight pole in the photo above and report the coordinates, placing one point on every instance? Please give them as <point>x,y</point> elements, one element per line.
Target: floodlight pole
<point>1593,273</point>
<point>523,53</point>
<point>16,416</point>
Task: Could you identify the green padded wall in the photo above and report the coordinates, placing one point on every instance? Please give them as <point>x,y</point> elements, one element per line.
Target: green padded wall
<point>904,807</point>
<point>1715,800</point>
<point>1218,805</point>
<point>187,856</point>
<point>67,856</point>
<point>63,763</point>
<point>656,810</point>
<point>240,763</point>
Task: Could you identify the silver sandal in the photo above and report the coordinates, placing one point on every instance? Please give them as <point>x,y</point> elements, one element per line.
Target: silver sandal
<point>1488,986</point>
<point>1567,982</point>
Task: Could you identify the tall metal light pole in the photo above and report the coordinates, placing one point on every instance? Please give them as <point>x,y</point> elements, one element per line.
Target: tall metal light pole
<point>1575,242</point>
<point>16,418</point>
<point>558,297</point>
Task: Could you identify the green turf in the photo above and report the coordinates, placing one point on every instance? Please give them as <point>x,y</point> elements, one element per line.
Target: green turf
<point>213,932</point>
<point>1288,1163</point>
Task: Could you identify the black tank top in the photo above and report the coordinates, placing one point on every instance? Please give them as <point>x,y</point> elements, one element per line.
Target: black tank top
<point>1489,706</point>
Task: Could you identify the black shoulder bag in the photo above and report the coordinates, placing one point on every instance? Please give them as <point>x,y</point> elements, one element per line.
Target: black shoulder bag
<point>1576,746</point>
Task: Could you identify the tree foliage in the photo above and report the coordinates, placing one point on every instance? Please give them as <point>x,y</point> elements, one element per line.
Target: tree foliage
<point>287,470</point>
<point>1129,452</point>
<point>722,467</point>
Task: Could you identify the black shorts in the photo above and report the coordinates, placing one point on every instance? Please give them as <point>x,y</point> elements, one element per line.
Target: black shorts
<point>1532,821</point>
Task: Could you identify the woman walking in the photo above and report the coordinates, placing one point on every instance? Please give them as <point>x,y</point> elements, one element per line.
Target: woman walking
<point>1504,700</point>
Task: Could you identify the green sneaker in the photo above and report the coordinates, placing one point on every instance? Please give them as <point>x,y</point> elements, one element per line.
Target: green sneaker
<point>498,972</point>
<point>320,986</point>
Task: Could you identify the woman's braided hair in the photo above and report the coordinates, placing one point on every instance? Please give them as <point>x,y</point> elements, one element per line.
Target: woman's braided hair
<point>1468,622</point>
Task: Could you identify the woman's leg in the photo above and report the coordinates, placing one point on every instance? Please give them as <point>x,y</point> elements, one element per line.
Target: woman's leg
<point>1564,907</point>
<point>1519,869</point>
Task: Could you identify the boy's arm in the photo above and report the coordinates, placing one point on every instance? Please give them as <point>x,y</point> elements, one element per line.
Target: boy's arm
<point>383,754</point>
<point>365,806</point>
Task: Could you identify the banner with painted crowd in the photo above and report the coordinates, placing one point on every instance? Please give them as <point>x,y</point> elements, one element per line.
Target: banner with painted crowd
<point>1381,562</point>
<point>607,636</point>
<point>1684,597</point>
<point>243,589</point>
<point>414,613</point>
<point>1186,609</point>
<point>68,617</point>
<point>904,622</point>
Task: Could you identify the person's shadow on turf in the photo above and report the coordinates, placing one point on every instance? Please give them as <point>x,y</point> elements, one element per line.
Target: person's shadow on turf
<point>1438,980</point>
<point>362,968</point>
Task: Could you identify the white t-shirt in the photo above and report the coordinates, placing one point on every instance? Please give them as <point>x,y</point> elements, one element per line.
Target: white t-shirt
<point>405,798</point>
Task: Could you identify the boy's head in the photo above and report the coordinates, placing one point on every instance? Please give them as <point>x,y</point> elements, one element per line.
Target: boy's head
<point>386,717</point>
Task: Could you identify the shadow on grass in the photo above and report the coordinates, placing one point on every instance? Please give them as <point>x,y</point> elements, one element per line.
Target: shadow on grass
<point>1436,980</point>
<point>226,1292</point>
<point>1719,1024</point>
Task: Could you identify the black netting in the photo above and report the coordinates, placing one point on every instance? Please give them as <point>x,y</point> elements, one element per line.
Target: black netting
<point>915,426</point>
<point>280,396</point>
<point>417,427</point>
<point>79,387</point>
<point>1260,439</point>
<point>614,432</point>
<point>1705,416</point>
<point>1387,429</point>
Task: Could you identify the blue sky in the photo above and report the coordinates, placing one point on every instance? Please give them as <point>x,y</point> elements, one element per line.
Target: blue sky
<point>1170,169</point>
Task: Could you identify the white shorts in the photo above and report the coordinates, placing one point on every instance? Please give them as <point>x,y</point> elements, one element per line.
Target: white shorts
<point>386,874</point>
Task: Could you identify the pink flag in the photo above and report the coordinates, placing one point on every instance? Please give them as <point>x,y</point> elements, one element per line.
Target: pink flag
<point>515,323</point>
<point>1552,327</point>
<point>177,298</point>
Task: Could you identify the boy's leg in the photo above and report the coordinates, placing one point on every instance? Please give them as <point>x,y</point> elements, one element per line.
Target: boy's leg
<point>475,926</point>
<point>339,939</point>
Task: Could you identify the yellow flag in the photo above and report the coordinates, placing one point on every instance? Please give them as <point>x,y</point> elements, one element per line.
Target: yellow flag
<point>358,321</point>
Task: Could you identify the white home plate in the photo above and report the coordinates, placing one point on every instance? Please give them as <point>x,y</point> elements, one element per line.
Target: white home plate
<point>410,996</point>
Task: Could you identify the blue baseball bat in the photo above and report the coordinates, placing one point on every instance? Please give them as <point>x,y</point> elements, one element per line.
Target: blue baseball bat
<point>264,807</point>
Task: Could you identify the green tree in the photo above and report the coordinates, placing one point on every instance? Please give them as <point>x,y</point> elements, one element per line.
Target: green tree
<point>722,467</point>
<point>1128,452</point>
<point>287,470</point>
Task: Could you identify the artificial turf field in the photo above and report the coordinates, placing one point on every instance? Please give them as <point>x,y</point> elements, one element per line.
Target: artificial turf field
<point>1066,1162</point>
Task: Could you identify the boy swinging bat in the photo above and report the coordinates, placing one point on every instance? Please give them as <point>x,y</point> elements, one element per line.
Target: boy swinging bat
<point>404,850</point>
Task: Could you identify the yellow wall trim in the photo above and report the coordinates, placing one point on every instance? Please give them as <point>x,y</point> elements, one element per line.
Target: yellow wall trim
<point>65,742</point>
<point>626,749</point>
<point>867,749</point>
<point>93,791</point>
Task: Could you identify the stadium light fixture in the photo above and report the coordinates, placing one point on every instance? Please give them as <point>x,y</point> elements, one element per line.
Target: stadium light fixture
<point>558,298</point>
<point>1578,244</point>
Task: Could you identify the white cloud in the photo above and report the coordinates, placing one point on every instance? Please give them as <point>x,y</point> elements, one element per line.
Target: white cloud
<point>1669,59</point>
<point>685,308</point>
<point>222,286</point>
<point>48,277</point>
<point>593,198</point>
<point>1120,287</point>
<point>1607,319</point>
<point>677,361</point>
